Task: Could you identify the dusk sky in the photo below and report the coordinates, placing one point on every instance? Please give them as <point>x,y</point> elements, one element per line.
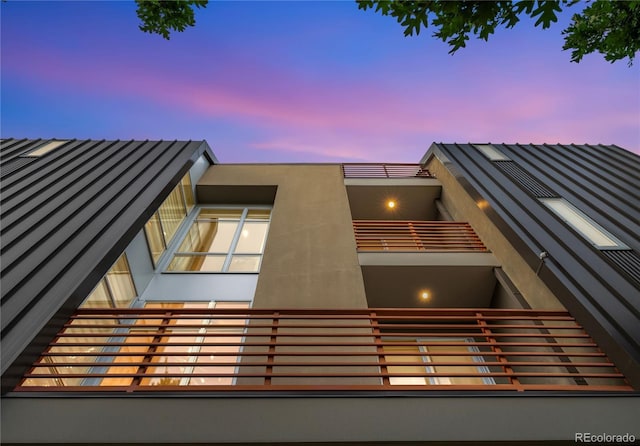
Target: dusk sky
<point>301,81</point>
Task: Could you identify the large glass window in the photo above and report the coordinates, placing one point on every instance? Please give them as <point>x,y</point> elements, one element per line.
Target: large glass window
<point>171,213</point>
<point>203,347</point>
<point>220,359</point>
<point>115,290</point>
<point>223,240</point>
<point>187,192</point>
<point>163,225</point>
<point>412,357</point>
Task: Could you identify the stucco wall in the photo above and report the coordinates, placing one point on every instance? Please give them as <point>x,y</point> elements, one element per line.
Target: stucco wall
<point>463,208</point>
<point>202,420</point>
<point>310,259</point>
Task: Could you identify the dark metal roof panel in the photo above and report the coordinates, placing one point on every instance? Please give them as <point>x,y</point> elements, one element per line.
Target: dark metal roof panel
<point>627,260</point>
<point>67,215</point>
<point>526,181</point>
<point>12,148</point>
<point>604,183</point>
<point>607,186</point>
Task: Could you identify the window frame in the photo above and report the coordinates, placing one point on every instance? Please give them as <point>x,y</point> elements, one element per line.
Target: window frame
<point>102,364</point>
<point>197,346</point>
<point>156,214</point>
<point>478,361</point>
<point>172,250</point>
<point>109,291</point>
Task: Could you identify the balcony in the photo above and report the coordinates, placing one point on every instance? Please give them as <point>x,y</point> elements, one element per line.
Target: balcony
<point>410,186</point>
<point>401,259</point>
<point>381,170</point>
<point>172,349</point>
<point>401,235</point>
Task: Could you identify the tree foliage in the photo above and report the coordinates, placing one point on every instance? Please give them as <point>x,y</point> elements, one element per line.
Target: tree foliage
<point>611,28</point>
<point>162,17</point>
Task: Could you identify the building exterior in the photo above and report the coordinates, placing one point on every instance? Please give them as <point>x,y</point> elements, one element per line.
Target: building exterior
<point>150,294</point>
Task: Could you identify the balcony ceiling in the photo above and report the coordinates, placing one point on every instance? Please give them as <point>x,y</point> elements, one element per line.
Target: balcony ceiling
<point>369,202</point>
<point>448,286</point>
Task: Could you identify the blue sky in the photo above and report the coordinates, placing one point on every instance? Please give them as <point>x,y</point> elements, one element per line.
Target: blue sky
<point>300,81</point>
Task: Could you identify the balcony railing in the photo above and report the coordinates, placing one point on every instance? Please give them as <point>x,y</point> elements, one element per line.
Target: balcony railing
<point>403,235</point>
<point>380,170</point>
<point>196,349</point>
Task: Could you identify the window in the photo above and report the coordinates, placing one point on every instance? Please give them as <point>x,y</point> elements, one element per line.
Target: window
<point>203,347</point>
<point>588,228</point>
<point>44,149</point>
<point>427,359</point>
<point>163,225</point>
<point>192,360</point>
<point>223,240</point>
<point>491,152</point>
<point>187,191</point>
<point>115,290</point>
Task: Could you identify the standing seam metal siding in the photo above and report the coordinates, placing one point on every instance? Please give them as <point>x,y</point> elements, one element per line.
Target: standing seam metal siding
<point>608,190</point>
<point>603,182</point>
<point>68,215</point>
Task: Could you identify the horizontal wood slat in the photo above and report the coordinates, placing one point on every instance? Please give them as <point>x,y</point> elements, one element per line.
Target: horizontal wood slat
<point>173,349</point>
<point>406,235</point>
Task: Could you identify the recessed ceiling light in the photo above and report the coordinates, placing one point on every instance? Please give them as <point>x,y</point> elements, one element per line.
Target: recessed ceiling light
<point>391,204</point>
<point>425,295</point>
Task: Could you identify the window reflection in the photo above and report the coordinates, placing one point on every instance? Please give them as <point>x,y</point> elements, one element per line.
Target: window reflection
<point>200,344</point>
<point>164,224</point>
<point>209,236</point>
<point>204,263</point>
<point>187,192</point>
<point>211,349</point>
<point>172,212</point>
<point>244,264</point>
<point>223,240</point>
<point>155,239</point>
<point>433,359</point>
<point>99,298</point>
<point>252,237</point>
<point>115,290</point>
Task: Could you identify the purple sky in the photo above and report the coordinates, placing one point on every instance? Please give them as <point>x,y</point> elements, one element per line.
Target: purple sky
<point>300,81</point>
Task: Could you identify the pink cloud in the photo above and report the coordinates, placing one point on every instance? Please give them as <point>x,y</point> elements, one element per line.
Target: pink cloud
<point>369,119</point>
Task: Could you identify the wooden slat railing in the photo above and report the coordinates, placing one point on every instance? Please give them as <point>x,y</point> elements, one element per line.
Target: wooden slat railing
<point>404,235</point>
<point>161,349</point>
<point>381,170</point>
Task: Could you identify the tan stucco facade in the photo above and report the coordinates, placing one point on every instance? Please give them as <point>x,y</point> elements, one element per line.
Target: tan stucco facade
<point>463,208</point>
<point>310,259</point>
